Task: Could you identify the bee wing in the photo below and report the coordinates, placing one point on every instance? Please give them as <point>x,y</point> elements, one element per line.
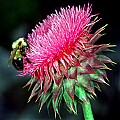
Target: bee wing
<point>12,55</point>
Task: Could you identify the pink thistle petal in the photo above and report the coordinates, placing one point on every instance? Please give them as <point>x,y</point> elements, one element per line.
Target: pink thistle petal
<point>56,66</point>
<point>63,63</point>
<point>61,31</point>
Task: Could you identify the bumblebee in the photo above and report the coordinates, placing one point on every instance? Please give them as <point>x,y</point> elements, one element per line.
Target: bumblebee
<point>16,57</point>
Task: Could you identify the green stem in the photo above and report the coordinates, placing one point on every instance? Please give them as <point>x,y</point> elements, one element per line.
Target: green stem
<point>87,111</point>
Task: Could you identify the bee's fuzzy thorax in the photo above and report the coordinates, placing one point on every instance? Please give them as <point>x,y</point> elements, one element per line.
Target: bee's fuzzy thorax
<point>16,43</point>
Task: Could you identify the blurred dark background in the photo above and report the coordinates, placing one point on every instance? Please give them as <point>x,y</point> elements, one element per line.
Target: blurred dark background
<point>17,18</point>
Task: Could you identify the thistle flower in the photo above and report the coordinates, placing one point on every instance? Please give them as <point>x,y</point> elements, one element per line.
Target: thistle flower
<point>66,64</point>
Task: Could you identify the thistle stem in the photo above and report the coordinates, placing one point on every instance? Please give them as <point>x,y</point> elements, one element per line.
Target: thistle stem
<point>87,111</point>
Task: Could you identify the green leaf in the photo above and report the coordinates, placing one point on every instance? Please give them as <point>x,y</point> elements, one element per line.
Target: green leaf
<point>43,99</point>
<point>69,86</point>
<point>80,93</point>
<point>84,81</point>
<point>56,103</point>
<point>69,102</point>
<point>56,90</point>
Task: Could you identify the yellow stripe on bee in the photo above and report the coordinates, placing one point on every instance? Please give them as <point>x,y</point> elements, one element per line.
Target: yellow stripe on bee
<point>17,55</point>
<point>15,44</point>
